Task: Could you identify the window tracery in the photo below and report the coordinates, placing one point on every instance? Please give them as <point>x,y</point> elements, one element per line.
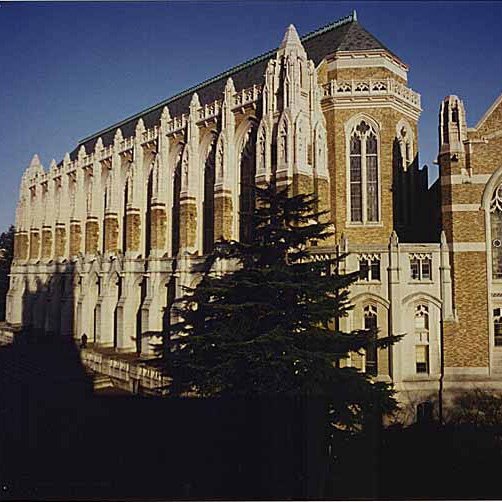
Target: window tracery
<point>496,232</point>
<point>364,174</point>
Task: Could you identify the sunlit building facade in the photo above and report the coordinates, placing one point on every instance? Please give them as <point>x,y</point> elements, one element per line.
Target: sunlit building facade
<point>107,238</point>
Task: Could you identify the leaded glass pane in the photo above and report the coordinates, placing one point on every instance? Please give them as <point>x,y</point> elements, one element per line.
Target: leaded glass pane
<point>422,358</point>
<point>364,269</point>
<point>371,145</point>
<point>426,269</point>
<point>415,268</point>
<point>355,146</point>
<point>375,270</point>
<point>355,169</point>
<point>496,228</point>
<point>370,323</point>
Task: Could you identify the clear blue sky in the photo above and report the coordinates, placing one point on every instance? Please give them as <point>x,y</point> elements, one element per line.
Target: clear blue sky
<point>70,69</point>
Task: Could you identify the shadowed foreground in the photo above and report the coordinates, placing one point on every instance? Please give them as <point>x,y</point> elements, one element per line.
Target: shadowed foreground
<point>59,441</point>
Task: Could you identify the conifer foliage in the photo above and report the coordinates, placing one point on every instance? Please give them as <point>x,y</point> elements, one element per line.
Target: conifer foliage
<point>269,327</point>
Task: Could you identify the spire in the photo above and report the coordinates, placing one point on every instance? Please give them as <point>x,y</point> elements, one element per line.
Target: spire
<point>35,161</point>
<point>99,145</point>
<point>290,37</point>
<point>229,86</point>
<point>195,103</point>
<point>354,15</point>
<point>165,114</point>
<point>140,127</point>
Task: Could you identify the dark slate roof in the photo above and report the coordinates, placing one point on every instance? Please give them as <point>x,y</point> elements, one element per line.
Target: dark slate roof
<point>345,34</point>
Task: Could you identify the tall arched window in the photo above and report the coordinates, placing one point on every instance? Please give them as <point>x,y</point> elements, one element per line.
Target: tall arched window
<point>247,183</point>
<point>496,232</point>
<point>363,174</point>
<point>370,323</point>
<point>422,338</point>
<point>208,203</point>
<point>175,210</point>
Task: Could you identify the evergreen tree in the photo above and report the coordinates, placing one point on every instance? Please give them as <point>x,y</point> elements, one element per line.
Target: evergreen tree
<point>6,256</point>
<point>270,326</point>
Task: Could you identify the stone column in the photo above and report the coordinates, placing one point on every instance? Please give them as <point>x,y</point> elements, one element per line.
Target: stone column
<point>190,185</point>
<point>34,244</point>
<point>111,213</point>
<point>46,242</point>
<point>225,169</point>
<point>395,318</point>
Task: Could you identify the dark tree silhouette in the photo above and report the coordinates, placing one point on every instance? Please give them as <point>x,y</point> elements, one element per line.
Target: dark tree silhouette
<point>6,256</point>
<point>269,327</point>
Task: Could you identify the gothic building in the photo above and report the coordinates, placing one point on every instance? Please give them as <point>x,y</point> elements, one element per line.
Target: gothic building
<point>106,238</point>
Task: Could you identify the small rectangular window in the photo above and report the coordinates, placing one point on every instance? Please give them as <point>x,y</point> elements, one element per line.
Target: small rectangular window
<point>426,269</point>
<point>364,269</point>
<point>422,358</point>
<point>420,268</point>
<point>415,268</point>
<point>375,270</point>
<point>369,268</point>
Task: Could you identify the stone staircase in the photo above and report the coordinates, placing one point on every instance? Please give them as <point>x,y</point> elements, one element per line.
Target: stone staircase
<point>101,382</point>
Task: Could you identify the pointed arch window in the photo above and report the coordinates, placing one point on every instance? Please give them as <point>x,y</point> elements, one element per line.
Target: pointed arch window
<point>497,326</point>
<point>422,338</point>
<point>364,174</point>
<point>496,232</point>
<point>370,324</point>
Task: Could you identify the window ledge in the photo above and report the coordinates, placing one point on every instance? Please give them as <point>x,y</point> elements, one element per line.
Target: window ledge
<point>354,224</point>
<point>422,377</point>
<point>420,281</point>
<point>376,283</point>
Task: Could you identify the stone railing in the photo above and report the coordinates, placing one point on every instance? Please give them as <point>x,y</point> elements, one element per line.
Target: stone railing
<point>150,134</point>
<point>247,96</point>
<point>127,144</point>
<point>371,87</point>
<point>177,124</point>
<point>106,152</point>
<point>209,111</point>
<point>126,374</point>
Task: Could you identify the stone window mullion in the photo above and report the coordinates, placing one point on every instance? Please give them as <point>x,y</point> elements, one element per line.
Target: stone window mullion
<point>364,177</point>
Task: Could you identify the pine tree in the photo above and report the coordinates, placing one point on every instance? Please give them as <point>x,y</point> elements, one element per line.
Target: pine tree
<point>6,256</point>
<point>270,326</point>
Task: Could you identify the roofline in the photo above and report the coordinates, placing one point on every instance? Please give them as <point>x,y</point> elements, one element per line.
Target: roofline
<point>344,20</point>
<point>385,51</point>
<point>488,112</point>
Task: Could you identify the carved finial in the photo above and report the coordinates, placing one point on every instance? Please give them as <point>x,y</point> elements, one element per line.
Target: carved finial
<point>118,136</point>
<point>290,37</point>
<point>53,165</point>
<point>35,162</point>
<point>99,145</point>
<point>66,158</point>
<point>229,86</point>
<point>81,152</point>
<point>140,126</point>
<point>444,242</point>
<point>393,241</point>
<point>195,102</point>
<point>354,15</point>
<point>344,243</point>
<point>165,114</point>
